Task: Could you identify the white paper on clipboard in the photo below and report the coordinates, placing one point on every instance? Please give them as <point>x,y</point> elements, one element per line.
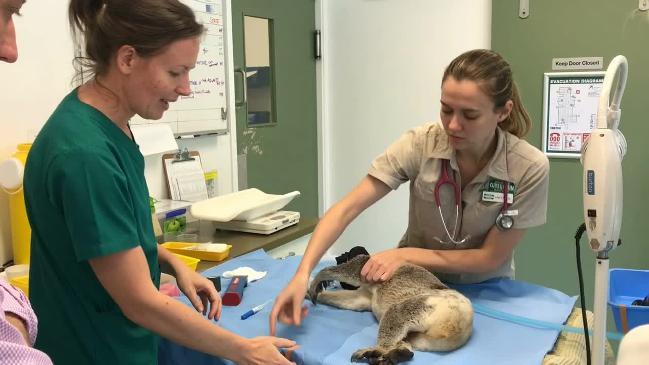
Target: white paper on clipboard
<point>186,179</point>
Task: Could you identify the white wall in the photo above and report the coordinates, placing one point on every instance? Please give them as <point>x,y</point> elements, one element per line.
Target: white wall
<point>380,73</point>
<point>33,87</point>
<point>383,61</point>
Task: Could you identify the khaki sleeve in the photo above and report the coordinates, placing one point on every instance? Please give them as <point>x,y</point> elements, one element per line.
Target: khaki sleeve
<point>531,199</point>
<point>400,162</point>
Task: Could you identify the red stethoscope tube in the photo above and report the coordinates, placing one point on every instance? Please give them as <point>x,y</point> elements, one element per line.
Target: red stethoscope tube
<point>504,221</point>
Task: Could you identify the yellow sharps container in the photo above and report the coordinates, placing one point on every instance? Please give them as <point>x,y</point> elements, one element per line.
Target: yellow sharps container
<point>11,180</point>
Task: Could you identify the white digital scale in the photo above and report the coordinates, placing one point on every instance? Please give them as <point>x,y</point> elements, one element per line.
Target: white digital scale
<point>265,224</point>
<point>249,210</point>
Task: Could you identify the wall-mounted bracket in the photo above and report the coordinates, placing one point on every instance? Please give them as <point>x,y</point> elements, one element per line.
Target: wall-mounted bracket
<point>524,8</point>
<point>643,5</point>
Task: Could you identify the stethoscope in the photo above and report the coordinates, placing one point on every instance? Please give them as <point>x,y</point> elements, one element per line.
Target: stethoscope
<point>504,220</point>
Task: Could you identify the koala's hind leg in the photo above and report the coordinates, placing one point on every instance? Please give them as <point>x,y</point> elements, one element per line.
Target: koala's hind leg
<point>441,321</point>
<point>397,321</point>
<point>356,300</point>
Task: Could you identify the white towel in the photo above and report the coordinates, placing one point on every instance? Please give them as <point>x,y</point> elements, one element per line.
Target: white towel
<point>252,274</point>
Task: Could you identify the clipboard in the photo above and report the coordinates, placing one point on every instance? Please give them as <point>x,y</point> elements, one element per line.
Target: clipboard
<point>184,175</point>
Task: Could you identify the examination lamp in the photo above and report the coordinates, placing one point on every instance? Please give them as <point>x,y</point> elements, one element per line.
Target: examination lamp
<point>602,183</point>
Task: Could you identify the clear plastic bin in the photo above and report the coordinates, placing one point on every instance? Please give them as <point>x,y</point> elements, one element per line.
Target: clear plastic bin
<point>174,224</point>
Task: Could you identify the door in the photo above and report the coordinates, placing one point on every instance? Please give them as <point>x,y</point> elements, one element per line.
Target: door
<point>275,84</point>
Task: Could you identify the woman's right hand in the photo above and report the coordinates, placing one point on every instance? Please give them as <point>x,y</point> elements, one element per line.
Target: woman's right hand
<point>265,350</point>
<point>288,307</point>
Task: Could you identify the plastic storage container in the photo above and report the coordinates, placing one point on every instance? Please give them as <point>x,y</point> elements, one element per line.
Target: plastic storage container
<point>193,250</point>
<point>191,262</point>
<point>11,180</point>
<point>22,283</point>
<point>15,271</point>
<point>210,183</point>
<point>157,230</point>
<point>174,224</point>
<point>625,286</point>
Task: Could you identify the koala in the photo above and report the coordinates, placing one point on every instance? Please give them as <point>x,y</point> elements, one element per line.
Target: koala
<point>415,310</point>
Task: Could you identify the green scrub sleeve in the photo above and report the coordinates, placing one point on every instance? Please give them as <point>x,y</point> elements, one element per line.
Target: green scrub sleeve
<point>92,192</point>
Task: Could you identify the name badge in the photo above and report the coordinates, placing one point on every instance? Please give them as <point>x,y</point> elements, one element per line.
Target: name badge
<point>490,196</point>
<point>494,191</point>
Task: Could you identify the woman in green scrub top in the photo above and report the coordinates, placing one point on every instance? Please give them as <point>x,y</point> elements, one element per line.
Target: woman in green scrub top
<point>95,261</point>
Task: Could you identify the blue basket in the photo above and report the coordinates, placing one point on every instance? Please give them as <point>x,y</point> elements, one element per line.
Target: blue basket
<point>625,286</point>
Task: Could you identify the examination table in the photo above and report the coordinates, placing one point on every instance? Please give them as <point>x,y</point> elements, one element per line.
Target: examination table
<point>329,335</point>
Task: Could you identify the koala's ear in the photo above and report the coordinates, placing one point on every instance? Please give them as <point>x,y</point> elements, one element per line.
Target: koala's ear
<point>358,250</point>
<point>361,258</point>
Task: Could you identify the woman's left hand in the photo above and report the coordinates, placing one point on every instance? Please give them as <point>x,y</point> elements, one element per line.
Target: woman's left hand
<point>200,291</point>
<point>381,266</point>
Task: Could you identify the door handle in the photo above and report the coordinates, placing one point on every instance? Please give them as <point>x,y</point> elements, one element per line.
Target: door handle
<point>243,102</point>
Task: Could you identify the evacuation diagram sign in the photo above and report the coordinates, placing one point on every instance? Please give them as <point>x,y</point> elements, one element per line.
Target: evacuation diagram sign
<point>570,112</point>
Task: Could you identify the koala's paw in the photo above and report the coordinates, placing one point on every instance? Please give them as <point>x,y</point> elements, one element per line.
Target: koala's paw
<point>381,356</point>
<point>399,354</point>
<point>315,289</point>
<point>371,355</point>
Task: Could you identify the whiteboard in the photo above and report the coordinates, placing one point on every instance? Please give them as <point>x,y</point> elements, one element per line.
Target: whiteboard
<point>203,111</point>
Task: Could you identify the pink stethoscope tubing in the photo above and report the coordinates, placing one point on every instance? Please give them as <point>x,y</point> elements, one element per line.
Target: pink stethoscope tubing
<point>445,178</point>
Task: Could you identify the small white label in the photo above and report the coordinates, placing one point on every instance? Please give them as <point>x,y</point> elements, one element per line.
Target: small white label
<point>578,63</point>
<point>491,196</point>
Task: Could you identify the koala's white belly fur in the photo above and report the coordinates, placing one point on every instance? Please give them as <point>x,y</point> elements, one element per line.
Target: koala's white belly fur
<point>446,327</point>
<point>443,329</point>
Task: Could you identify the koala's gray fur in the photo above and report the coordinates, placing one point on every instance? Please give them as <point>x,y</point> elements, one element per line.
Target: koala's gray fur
<point>414,309</point>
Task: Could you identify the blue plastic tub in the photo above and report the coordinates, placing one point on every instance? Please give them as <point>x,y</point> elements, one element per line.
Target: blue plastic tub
<point>625,286</point>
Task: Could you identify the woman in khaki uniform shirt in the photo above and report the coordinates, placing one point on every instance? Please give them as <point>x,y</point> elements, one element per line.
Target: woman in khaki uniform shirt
<point>478,144</point>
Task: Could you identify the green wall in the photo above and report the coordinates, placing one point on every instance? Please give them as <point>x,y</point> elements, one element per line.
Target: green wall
<point>283,157</point>
<point>576,28</point>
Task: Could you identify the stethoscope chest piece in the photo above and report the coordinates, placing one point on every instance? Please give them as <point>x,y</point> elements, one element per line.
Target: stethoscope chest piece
<point>504,221</point>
